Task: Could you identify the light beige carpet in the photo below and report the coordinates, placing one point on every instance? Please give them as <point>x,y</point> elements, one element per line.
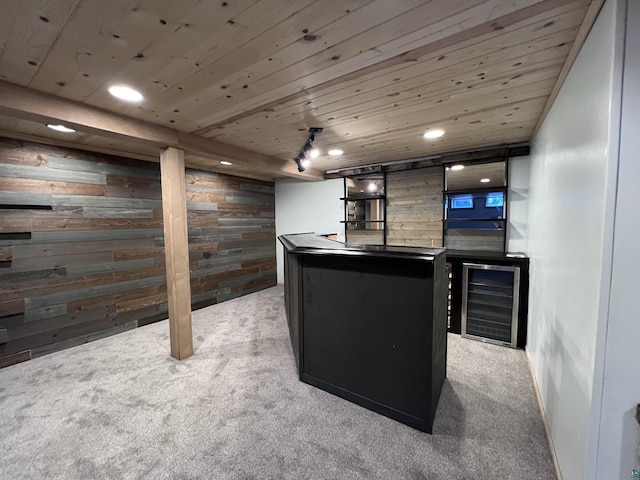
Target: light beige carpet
<point>121,408</point>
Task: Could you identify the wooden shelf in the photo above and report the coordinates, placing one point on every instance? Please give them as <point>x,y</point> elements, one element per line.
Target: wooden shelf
<point>501,188</point>
<point>473,219</point>
<point>364,197</point>
<point>361,221</point>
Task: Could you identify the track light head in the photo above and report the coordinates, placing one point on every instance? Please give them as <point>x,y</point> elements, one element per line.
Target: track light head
<point>301,168</point>
<point>301,159</point>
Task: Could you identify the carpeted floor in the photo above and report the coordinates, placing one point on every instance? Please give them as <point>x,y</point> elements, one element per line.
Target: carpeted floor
<point>121,408</point>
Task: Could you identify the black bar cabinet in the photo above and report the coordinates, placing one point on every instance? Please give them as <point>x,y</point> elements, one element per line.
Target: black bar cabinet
<point>369,323</point>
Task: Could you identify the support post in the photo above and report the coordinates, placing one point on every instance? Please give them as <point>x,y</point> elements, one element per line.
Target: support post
<point>176,248</point>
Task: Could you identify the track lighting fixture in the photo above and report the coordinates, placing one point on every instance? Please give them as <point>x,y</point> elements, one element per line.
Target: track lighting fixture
<point>307,150</point>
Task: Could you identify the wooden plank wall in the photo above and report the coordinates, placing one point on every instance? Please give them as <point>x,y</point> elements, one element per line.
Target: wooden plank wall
<point>414,207</point>
<point>366,237</point>
<point>486,240</point>
<point>82,246</point>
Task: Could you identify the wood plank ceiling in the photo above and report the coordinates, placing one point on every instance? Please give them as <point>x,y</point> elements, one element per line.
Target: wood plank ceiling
<point>257,74</point>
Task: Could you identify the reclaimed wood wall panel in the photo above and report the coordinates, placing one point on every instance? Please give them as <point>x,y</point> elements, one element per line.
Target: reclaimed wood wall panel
<point>365,237</point>
<point>485,240</point>
<point>414,207</point>
<point>94,264</point>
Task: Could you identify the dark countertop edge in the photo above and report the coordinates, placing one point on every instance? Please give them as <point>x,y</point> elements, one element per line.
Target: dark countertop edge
<point>316,244</point>
<point>363,253</point>
<point>308,240</point>
<point>483,254</point>
<point>313,244</point>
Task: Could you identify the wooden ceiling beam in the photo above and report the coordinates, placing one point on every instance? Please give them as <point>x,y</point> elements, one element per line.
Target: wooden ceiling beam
<point>213,148</point>
<point>192,161</point>
<point>25,137</point>
<point>26,104</point>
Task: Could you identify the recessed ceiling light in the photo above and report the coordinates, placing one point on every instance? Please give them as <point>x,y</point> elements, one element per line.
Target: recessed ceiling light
<point>61,128</point>
<point>306,162</point>
<point>224,162</point>
<point>314,153</point>
<point>485,180</point>
<point>127,94</point>
<point>457,167</point>
<point>336,152</point>
<point>433,134</point>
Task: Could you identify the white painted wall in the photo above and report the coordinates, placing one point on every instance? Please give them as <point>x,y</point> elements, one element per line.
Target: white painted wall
<point>303,206</point>
<point>571,205</point>
<point>619,435</point>
<point>518,206</point>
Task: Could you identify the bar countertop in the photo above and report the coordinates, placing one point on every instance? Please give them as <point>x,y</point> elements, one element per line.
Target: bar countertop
<point>311,243</point>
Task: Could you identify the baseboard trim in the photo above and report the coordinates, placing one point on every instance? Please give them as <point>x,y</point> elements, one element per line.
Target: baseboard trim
<point>554,456</point>
<point>14,358</point>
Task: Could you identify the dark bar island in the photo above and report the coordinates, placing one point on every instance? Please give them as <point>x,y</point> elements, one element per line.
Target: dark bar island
<point>368,323</point>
